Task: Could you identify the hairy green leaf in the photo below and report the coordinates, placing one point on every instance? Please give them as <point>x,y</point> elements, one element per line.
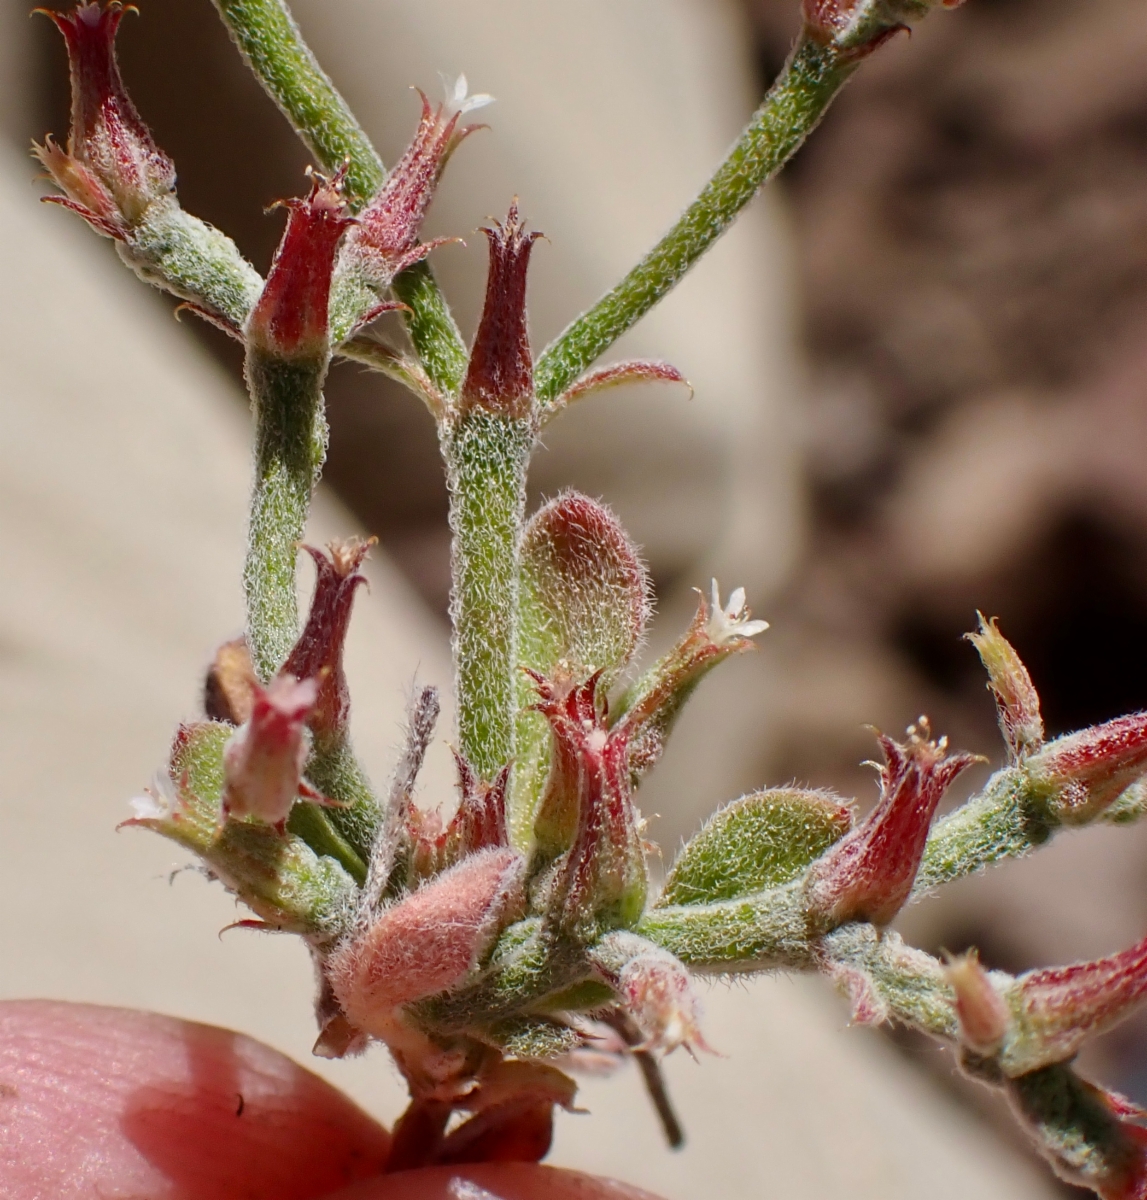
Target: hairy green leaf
<point>760,841</point>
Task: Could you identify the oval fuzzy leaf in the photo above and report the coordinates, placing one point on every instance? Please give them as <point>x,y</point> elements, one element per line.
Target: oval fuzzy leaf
<point>585,592</point>
<point>584,603</point>
<point>760,841</point>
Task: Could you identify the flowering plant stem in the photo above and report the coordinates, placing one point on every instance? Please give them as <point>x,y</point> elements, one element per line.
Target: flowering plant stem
<point>486,466</point>
<point>482,949</point>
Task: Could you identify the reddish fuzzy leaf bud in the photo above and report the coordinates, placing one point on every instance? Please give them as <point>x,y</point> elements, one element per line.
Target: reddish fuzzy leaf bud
<point>112,169</point>
<point>428,942</point>
<point>585,591</point>
<point>868,874</point>
<point>385,240</point>
<point>651,706</point>
<point>1017,701</point>
<point>263,761</point>
<point>1089,769</point>
<point>1057,1010</point>
<point>500,375</point>
<point>290,318</point>
<point>318,654</point>
<point>655,989</point>
<point>600,884</point>
<point>982,1012</point>
<point>583,607</point>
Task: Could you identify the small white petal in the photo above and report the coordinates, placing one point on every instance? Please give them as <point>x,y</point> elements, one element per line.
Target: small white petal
<point>146,807</point>
<point>732,621</point>
<point>456,99</point>
<point>157,801</point>
<point>750,629</point>
<point>480,100</point>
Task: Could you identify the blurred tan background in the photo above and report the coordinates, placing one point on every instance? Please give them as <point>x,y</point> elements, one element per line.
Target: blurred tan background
<point>918,366</point>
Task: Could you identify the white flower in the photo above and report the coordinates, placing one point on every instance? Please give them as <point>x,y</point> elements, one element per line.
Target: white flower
<point>456,99</point>
<point>158,802</point>
<point>731,622</point>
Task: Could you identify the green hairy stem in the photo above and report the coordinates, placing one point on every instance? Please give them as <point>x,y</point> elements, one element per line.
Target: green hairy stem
<point>1007,819</point>
<point>788,114</point>
<point>486,458</point>
<point>184,255</point>
<point>270,41</point>
<point>290,445</point>
<point>753,933</point>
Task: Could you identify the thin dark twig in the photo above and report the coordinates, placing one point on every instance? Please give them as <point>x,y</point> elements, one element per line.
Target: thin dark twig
<point>651,1075</point>
<point>424,711</point>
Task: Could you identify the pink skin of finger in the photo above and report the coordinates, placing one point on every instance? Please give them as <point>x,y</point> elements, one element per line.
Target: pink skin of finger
<point>114,1104</point>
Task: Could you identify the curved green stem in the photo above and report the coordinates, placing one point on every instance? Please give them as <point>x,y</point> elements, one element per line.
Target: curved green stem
<point>791,110</point>
<point>181,254</point>
<point>270,41</point>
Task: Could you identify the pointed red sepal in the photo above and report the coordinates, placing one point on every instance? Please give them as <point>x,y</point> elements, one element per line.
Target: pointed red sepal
<point>616,375</point>
<point>112,169</point>
<point>500,375</point>
<point>601,882</point>
<point>1089,769</point>
<point>318,654</point>
<point>1059,1009</point>
<point>86,195</point>
<point>375,311</point>
<point>480,822</point>
<point>263,761</point>
<point>869,873</point>
<point>385,241</point>
<point>290,318</point>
